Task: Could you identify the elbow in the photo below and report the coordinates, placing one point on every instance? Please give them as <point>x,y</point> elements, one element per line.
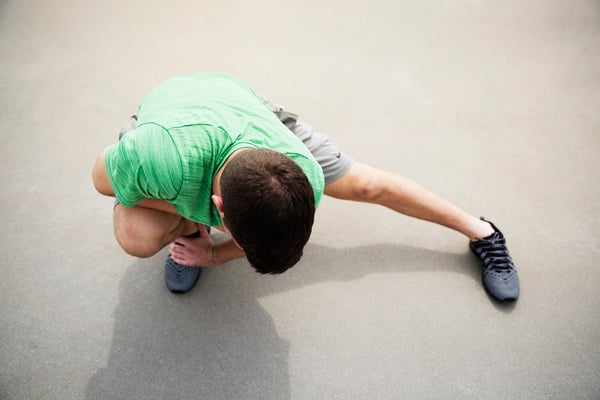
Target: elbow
<point>101,187</point>
<point>100,177</point>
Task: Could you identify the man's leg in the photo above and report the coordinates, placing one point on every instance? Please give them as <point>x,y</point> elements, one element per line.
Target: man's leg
<point>145,229</point>
<point>346,179</point>
<point>371,185</point>
<point>142,232</point>
<point>367,184</point>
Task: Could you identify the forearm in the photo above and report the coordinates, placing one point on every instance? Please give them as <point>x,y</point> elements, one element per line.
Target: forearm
<point>226,251</point>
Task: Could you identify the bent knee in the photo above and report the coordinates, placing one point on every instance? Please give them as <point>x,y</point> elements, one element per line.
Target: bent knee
<point>143,232</point>
<point>137,250</point>
<point>136,245</point>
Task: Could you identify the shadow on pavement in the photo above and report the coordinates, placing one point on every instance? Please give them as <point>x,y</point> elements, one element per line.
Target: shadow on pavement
<point>217,341</point>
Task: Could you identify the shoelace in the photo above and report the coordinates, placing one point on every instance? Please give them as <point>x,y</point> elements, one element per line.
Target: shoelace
<point>495,254</point>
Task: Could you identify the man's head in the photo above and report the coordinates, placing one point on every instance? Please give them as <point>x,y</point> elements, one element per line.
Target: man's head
<point>268,206</point>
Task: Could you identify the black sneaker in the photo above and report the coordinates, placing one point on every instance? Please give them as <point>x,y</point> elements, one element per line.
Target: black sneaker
<point>499,275</point>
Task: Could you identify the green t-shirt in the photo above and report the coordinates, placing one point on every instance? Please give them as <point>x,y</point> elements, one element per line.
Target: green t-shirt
<point>187,127</point>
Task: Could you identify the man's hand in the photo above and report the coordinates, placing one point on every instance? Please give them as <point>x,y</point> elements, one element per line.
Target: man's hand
<point>202,252</point>
<point>194,252</point>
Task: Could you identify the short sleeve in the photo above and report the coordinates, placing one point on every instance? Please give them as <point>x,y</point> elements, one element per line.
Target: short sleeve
<point>144,164</point>
<point>313,172</point>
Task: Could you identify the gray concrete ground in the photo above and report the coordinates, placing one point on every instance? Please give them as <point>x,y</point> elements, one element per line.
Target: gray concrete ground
<point>494,105</point>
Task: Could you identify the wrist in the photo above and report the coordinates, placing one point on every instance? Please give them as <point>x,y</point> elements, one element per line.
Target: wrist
<point>225,252</point>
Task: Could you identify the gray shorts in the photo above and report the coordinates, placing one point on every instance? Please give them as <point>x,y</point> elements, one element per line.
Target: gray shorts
<point>333,162</point>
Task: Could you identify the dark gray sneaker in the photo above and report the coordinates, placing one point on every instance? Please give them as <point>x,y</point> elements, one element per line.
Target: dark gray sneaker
<point>179,278</point>
<point>499,275</point>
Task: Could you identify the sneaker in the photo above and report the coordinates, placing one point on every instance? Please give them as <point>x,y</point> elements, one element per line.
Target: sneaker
<point>499,275</point>
<point>179,278</point>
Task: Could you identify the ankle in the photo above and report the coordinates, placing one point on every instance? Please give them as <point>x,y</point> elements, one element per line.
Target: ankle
<point>481,229</point>
<point>188,228</point>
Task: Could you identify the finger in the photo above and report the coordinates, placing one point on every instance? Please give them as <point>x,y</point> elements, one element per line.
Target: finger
<point>180,259</point>
<point>177,249</point>
<point>181,241</point>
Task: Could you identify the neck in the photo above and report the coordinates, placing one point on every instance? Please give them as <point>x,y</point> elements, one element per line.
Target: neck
<point>216,187</point>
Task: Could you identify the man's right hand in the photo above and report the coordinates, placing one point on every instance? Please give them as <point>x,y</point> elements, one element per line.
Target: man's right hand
<point>202,252</point>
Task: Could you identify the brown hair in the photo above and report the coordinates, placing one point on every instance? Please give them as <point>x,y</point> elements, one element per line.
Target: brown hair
<point>269,207</point>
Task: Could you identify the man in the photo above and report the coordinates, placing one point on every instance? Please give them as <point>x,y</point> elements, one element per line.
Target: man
<point>204,150</point>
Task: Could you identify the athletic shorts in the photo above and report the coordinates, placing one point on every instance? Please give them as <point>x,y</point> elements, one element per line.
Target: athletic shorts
<point>333,162</point>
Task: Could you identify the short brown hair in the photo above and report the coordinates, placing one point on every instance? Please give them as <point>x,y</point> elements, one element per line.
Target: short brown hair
<point>269,208</point>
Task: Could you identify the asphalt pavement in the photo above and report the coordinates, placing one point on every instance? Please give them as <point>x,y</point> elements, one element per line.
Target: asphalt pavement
<point>493,105</point>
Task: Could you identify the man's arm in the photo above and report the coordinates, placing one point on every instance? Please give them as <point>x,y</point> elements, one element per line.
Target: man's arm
<point>100,176</point>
